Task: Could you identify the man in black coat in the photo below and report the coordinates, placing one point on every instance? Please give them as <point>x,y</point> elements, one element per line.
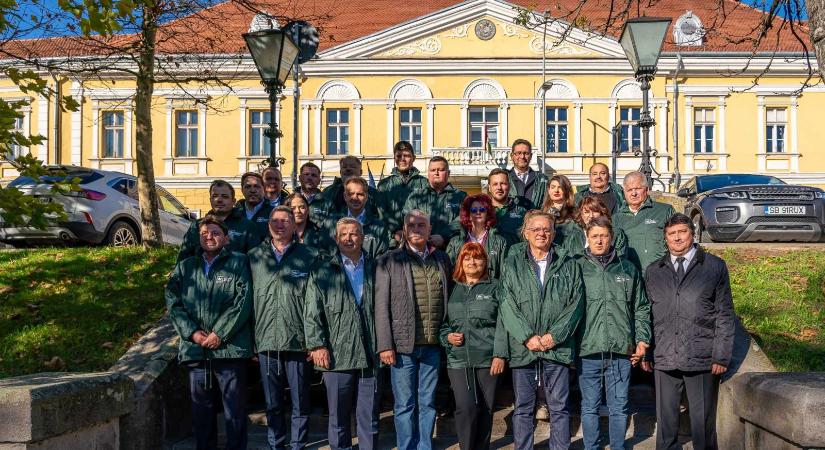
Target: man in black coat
<point>693,328</point>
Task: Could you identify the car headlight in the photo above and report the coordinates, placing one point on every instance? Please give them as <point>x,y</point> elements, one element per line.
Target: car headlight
<point>736,195</point>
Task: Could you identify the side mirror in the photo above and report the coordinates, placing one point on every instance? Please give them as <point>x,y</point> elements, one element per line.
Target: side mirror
<point>683,192</point>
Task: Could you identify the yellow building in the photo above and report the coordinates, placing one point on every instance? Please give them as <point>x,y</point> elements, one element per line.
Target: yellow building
<point>443,77</point>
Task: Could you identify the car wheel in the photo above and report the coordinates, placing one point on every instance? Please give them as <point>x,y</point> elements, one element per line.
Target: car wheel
<point>700,235</point>
<point>121,235</point>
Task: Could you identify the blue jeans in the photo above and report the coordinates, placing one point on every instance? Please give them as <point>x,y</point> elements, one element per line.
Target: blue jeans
<point>279,369</point>
<point>230,375</point>
<point>616,371</point>
<point>414,376</point>
<point>555,379</point>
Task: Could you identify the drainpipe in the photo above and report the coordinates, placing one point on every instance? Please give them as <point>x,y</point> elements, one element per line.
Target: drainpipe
<point>676,173</point>
<point>56,130</point>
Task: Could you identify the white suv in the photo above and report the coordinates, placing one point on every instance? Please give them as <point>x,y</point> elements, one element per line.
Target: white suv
<point>105,210</point>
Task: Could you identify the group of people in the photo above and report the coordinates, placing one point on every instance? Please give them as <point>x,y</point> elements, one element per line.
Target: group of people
<point>414,272</point>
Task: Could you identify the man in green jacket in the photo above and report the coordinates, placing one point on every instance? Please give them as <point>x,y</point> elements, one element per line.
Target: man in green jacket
<point>614,334</point>
<point>340,332</point>
<point>274,186</point>
<point>643,221</point>
<point>524,181</point>
<point>280,269</point>
<point>440,200</point>
<point>253,206</point>
<point>395,189</point>
<point>376,236</point>
<point>222,200</point>
<point>510,210</point>
<point>611,194</point>
<point>542,299</point>
<point>333,195</point>
<point>209,299</point>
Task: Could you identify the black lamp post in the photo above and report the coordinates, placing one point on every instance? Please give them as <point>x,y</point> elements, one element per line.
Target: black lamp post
<point>274,54</point>
<point>642,40</point>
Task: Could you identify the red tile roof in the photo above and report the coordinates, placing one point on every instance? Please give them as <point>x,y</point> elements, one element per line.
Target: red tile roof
<point>731,26</point>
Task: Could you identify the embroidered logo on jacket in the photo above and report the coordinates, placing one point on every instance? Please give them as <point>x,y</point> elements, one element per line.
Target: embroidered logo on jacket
<point>223,279</point>
<point>298,274</point>
<point>650,221</point>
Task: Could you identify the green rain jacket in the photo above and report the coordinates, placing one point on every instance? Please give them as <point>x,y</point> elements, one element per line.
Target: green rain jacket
<point>528,309</point>
<point>539,183</point>
<point>334,203</point>
<point>333,320</point>
<point>240,236</point>
<point>318,239</point>
<point>259,227</point>
<point>574,239</point>
<point>495,245</point>
<point>279,290</point>
<point>473,311</point>
<point>376,235</point>
<point>510,218</point>
<point>395,190</point>
<point>584,190</point>
<point>442,207</point>
<point>220,302</point>
<point>616,310</point>
<point>645,231</point>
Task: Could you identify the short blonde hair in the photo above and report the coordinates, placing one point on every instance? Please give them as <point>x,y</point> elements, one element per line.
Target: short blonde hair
<point>536,214</point>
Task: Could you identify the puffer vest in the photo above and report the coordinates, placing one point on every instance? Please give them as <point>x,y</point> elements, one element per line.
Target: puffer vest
<point>429,301</point>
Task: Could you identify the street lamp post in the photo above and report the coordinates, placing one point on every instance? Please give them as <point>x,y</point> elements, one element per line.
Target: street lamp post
<point>274,54</point>
<point>642,40</point>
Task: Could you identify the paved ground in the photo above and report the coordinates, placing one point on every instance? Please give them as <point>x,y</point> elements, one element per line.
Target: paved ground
<point>768,246</point>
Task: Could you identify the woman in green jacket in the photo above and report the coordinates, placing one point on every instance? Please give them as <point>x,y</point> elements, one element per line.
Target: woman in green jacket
<point>614,333</point>
<point>315,236</point>
<point>478,220</point>
<point>560,202</point>
<point>476,346</point>
<point>575,241</point>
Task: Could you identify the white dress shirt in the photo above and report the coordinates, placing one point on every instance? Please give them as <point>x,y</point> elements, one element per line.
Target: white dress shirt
<point>355,275</point>
<point>279,255</point>
<point>688,258</point>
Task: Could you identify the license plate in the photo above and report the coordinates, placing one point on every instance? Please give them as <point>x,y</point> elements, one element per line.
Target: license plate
<point>785,210</point>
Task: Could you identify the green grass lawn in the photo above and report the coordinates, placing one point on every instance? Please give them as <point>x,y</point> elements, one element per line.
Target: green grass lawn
<point>780,297</point>
<point>77,309</point>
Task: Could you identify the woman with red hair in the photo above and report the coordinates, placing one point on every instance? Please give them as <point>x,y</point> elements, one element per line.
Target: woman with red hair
<point>476,345</point>
<point>478,219</point>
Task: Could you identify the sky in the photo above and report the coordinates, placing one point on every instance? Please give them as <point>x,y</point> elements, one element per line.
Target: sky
<point>61,28</point>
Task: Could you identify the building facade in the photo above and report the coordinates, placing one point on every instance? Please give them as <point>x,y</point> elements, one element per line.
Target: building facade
<point>463,81</point>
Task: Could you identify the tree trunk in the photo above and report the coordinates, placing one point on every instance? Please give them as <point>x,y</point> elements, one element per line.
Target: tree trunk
<point>147,195</point>
<point>816,23</point>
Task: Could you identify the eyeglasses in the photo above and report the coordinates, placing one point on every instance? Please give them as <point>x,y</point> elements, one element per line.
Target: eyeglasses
<point>538,230</point>
<point>478,210</point>
<point>522,153</point>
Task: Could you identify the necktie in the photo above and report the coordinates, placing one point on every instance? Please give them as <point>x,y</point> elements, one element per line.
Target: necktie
<point>680,267</point>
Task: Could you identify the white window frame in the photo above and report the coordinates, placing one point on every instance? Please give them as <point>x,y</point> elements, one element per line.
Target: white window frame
<point>337,128</point>
<point>119,140</point>
<point>259,129</point>
<point>704,118</point>
<point>191,151</point>
<point>776,118</point>
<point>555,125</point>
<point>631,125</point>
<point>17,150</point>
<point>410,126</point>
<point>493,127</point>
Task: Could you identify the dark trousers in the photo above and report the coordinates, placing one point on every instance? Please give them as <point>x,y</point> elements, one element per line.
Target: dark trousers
<point>555,379</point>
<point>342,389</point>
<point>474,401</point>
<point>279,369</point>
<point>702,389</point>
<point>230,375</point>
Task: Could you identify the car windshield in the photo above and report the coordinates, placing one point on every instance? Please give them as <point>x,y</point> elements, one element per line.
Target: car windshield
<point>57,175</point>
<point>710,182</point>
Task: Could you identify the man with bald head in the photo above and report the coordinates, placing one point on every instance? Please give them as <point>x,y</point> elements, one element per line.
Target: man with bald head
<point>333,195</point>
<point>611,194</point>
<point>643,221</point>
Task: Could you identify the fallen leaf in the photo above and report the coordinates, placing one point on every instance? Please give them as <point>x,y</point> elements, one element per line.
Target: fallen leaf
<point>6,289</point>
<point>808,334</point>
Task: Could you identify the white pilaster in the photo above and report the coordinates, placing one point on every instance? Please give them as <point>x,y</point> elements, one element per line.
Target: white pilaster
<point>95,134</point>
<point>43,128</point>
<point>243,144</point>
<point>689,126</point>
<point>77,131</point>
<point>612,123</point>
<point>430,129</point>
<point>390,127</point>
<point>794,135</point>
<point>651,140</point>
<point>537,125</point>
<point>464,111</point>
<point>721,144</point>
<point>316,110</point>
<point>201,139</point>
<point>277,148</point>
<point>356,132</point>
<point>502,134</point>
<point>577,127</point>
<point>304,129</point>
<point>127,134</point>
<point>760,134</point>
<point>170,130</point>
<point>27,118</point>
<point>663,129</point>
